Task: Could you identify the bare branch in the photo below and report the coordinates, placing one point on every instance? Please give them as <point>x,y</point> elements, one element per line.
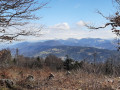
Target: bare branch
<point>92,27</point>
<point>114,22</point>
<point>17,13</point>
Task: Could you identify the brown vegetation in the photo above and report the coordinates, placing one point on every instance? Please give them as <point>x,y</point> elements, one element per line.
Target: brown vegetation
<point>77,80</point>
<point>24,73</point>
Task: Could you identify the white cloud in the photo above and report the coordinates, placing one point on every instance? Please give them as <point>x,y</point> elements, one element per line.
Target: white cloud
<point>105,34</point>
<point>63,31</point>
<point>61,26</point>
<point>74,33</point>
<point>81,23</point>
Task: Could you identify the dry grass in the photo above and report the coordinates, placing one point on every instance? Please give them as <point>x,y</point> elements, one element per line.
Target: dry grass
<point>77,80</point>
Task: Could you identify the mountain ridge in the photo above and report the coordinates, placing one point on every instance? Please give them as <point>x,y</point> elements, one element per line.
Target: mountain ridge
<point>75,48</point>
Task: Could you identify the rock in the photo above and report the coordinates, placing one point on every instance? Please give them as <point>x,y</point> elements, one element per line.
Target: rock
<point>68,73</point>
<point>51,76</point>
<point>30,86</point>
<point>111,81</point>
<point>2,82</point>
<point>9,83</point>
<point>30,78</point>
<point>6,82</point>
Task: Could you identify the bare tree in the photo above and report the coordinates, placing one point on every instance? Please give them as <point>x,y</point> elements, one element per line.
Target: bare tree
<point>113,21</point>
<point>16,13</point>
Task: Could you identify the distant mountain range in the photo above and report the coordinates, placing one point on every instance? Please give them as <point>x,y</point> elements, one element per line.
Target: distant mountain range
<point>76,48</point>
<point>89,42</point>
<point>85,42</point>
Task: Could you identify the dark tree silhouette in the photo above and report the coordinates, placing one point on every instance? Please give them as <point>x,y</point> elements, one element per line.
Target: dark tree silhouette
<point>53,62</point>
<point>68,63</point>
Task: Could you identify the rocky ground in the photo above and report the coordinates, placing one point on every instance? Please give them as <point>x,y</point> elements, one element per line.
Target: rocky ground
<point>14,78</point>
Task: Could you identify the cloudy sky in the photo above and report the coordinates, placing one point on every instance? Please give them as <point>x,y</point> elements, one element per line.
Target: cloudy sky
<point>64,19</point>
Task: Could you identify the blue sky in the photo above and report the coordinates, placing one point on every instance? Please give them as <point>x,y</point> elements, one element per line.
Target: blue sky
<point>66,18</point>
<point>72,11</point>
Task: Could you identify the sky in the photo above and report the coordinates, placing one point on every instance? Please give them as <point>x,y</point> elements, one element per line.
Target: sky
<point>63,19</point>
